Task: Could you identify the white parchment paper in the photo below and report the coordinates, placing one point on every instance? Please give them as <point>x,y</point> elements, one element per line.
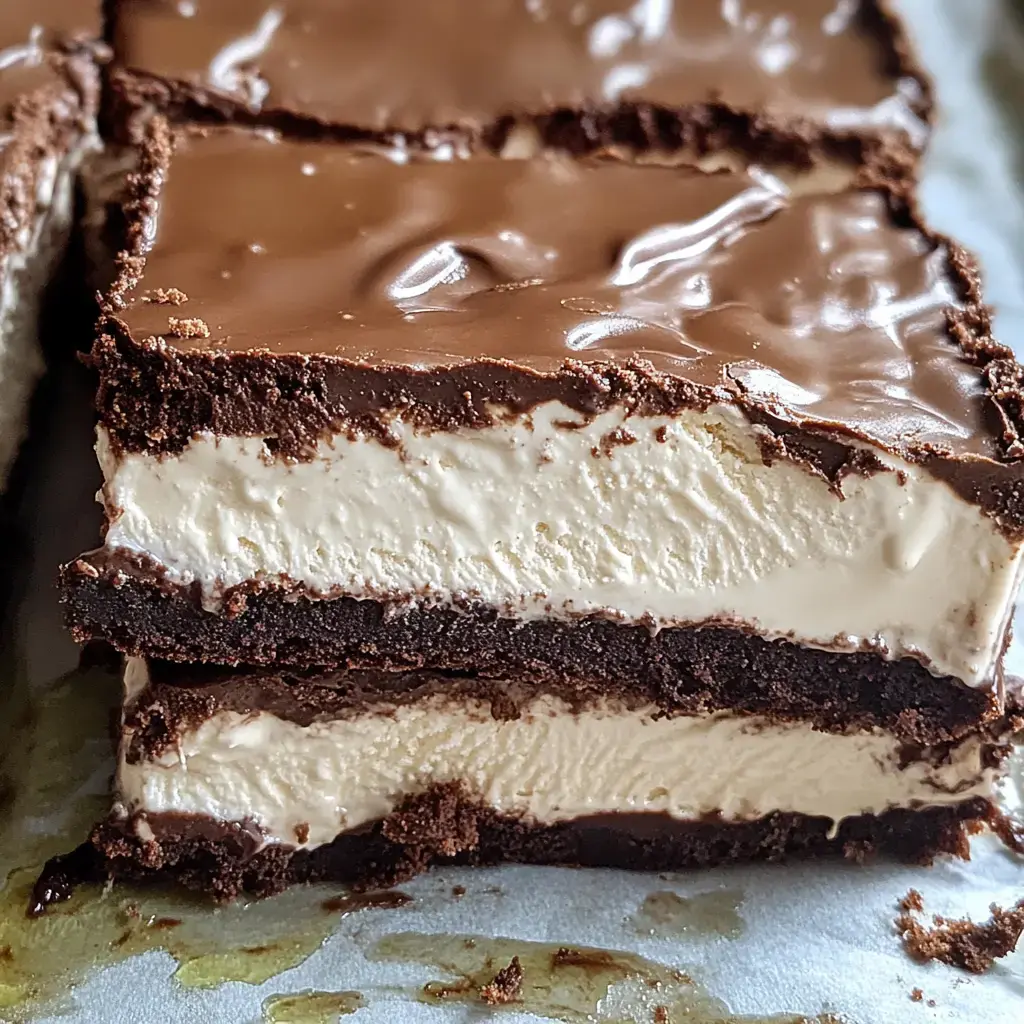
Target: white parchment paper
<point>816,937</point>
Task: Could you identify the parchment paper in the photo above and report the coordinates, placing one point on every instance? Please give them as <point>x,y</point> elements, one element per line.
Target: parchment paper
<point>816,937</point>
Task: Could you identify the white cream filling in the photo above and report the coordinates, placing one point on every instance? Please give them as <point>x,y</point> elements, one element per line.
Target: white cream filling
<point>549,765</point>
<point>24,274</point>
<point>523,516</point>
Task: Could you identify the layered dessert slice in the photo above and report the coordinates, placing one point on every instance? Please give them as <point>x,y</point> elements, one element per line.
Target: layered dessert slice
<point>701,435</point>
<point>803,76</point>
<point>48,90</point>
<point>255,779</point>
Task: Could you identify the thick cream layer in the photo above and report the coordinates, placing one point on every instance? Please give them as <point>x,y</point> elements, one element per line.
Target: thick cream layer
<point>681,523</point>
<point>549,765</point>
<point>24,274</point>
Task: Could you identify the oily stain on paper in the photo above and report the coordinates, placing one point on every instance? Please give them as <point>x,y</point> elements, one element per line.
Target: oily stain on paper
<point>60,774</point>
<point>311,1007</point>
<point>667,915</point>
<point>575,985</point>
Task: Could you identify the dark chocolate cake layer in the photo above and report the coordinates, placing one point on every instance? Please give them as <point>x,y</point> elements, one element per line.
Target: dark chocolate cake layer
<point>684,670</point>
<point>797,79</point>
<point>440,827</point>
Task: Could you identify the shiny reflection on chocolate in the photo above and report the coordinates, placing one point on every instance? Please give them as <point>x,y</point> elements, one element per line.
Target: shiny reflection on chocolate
<point>396,64</point>
<point>823,304</point>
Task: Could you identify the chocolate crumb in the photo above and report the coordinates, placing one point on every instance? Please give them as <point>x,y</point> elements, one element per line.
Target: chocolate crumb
<point>302,833</point>
<point>458,891</point>
<point>617,438</point>
<point>165,297</point>
<point>960,943</point>
<point>506,986</point>
<point>188,327</point>
<point>912,901</point>
<point>916,995</point>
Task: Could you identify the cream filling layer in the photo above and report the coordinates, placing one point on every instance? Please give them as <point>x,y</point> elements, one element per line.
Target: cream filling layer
<point>303,785</point>
<point>662,520</point>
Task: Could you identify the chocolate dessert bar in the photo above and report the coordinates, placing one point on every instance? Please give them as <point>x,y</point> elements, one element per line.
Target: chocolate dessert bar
<point>48,92</point>
<point>256,779</point>
<point>801,77</point>
<point>700,438</point>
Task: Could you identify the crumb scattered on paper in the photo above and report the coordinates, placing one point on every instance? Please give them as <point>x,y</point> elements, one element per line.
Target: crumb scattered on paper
<point>189,327</point>
<point>960,943</point>
<point>912,901</point>
<point>166,297</point>
<point>506,986</point>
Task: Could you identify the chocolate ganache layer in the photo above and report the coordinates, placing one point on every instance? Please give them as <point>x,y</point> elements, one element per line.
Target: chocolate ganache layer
<point>789,78</point>
<point>452,294</point>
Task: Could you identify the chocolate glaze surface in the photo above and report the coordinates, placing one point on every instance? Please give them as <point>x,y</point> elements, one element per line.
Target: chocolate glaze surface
<point>395,65</point>
<point>458,284</point>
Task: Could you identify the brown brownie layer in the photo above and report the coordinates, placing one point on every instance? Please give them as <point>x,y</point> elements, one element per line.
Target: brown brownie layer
<point>362,71</point>
<point>682,669</point>
<point>441,827</point>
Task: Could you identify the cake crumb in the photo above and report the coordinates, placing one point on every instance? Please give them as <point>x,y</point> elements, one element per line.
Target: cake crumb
<point>189,327</point>
<point>960,943</point>
<point>458,891</point>
<point>916,995</point>
<point>661,1015</point>
<point>506,986</point>
<point>912,901</point>
<point>166,297</point>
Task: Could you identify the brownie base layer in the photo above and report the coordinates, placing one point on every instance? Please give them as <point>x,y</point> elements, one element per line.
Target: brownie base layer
<point>689,670</point>
<point>441,827</point>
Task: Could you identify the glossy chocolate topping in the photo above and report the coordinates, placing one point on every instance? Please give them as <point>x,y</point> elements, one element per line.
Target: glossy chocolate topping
<point>409,64</point>
<point>818,308</point>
